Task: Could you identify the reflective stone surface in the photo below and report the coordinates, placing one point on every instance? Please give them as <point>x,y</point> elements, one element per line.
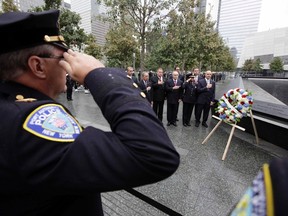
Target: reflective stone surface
<point>203,183</point>
<point>276,87</point>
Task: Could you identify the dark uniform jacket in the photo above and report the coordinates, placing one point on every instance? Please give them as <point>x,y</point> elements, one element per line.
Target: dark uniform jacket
<point>52,166</point>
<point>173,95</point>
<point>189,92</point>
<point>158,91</point>
<point>205,95</point>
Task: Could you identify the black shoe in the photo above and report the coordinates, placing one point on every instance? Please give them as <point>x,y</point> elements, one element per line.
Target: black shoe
<point>204,124</point>
<point>189,125</point>
<point>174,123</point>
<point>168,124</point>
<point>197,124</point>
<point>185,125</point>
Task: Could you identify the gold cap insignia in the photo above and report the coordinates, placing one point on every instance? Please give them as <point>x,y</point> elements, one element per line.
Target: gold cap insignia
<point>53,38</point>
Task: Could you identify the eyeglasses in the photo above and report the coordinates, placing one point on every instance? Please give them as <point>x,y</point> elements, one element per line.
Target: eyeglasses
<point>51,56</point>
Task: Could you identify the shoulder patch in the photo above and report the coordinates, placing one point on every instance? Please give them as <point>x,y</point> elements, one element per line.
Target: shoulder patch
<point>52,122</point>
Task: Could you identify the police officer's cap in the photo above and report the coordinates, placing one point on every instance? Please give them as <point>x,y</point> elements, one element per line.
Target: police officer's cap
<point>25,30</point>
<point>189,75</point>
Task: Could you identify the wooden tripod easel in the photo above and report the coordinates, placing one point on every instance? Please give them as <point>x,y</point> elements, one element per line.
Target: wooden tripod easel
<point>231,133</point>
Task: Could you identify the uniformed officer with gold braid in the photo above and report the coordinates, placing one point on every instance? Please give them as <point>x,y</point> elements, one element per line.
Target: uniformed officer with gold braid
<point>49,164</point>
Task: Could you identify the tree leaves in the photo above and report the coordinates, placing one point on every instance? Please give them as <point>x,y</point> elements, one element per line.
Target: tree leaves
<point>276,64</point>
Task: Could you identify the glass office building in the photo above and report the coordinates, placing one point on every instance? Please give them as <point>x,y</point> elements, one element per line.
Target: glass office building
<point>237,20</point>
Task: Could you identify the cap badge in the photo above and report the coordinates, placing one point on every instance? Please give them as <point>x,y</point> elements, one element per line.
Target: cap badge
<point>53,38</point>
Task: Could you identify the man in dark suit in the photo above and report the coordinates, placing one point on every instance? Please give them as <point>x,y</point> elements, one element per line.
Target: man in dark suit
<point>173,89</point>
<point>145,85</point>
<point>206,97</point>
<point>70,83</point>
<point>130,75</point>
<point>158,93</point>
<point>189,98</point>
<point>181,76</point>
<point>197,75</point>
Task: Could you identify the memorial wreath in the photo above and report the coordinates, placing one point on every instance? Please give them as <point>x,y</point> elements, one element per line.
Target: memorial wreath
<point>234,105</point>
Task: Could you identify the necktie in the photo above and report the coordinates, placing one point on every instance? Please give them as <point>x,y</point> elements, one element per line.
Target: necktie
<point>175,82</point>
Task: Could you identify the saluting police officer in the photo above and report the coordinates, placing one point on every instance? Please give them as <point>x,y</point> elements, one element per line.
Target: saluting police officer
<point>50,165</point>
<point>189,98</point>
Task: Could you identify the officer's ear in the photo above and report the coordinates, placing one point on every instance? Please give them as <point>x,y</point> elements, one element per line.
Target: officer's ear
<point>37,66</point>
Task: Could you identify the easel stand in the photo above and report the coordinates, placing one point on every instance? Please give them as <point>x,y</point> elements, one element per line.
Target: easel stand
<point>231,133</point>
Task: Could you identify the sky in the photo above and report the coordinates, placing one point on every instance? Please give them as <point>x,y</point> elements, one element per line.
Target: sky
<point>274,14</point>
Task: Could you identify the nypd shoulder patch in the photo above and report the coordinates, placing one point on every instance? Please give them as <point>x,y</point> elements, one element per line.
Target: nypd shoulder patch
<point>52,122</point>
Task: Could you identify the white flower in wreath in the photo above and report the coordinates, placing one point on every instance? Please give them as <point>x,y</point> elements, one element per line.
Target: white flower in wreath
<point>231,117</point>
<point>221,110</point>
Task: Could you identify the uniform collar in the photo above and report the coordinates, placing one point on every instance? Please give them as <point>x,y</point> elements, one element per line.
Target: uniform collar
<point>12,89</point>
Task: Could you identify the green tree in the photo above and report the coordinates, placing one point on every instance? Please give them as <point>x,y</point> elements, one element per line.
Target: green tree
<point>138,16</point>
<point>93,48</point>
<point>120,46</point>
<point>48,4</point>
<point>70,29</point>
<point>163,44</point>
<point>256,66</point>
<point>276,65</point>
<point>189,40</point>
<point>225,61</point>
<point>8,5</point>
<point>162,54</point>
<point>52,4</point>
<point>248,65</point>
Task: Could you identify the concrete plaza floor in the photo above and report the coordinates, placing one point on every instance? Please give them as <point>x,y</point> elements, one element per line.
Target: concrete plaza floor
<point>203,185</point>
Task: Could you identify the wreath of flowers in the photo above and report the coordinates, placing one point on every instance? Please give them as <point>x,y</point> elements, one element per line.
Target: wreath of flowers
<point>234,105</point>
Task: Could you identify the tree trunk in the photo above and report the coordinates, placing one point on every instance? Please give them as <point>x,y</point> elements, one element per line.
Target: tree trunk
<point>183,65</point>
<point>142,56</point>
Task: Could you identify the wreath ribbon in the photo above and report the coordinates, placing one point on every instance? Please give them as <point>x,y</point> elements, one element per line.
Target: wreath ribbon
<point>232,108</point>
